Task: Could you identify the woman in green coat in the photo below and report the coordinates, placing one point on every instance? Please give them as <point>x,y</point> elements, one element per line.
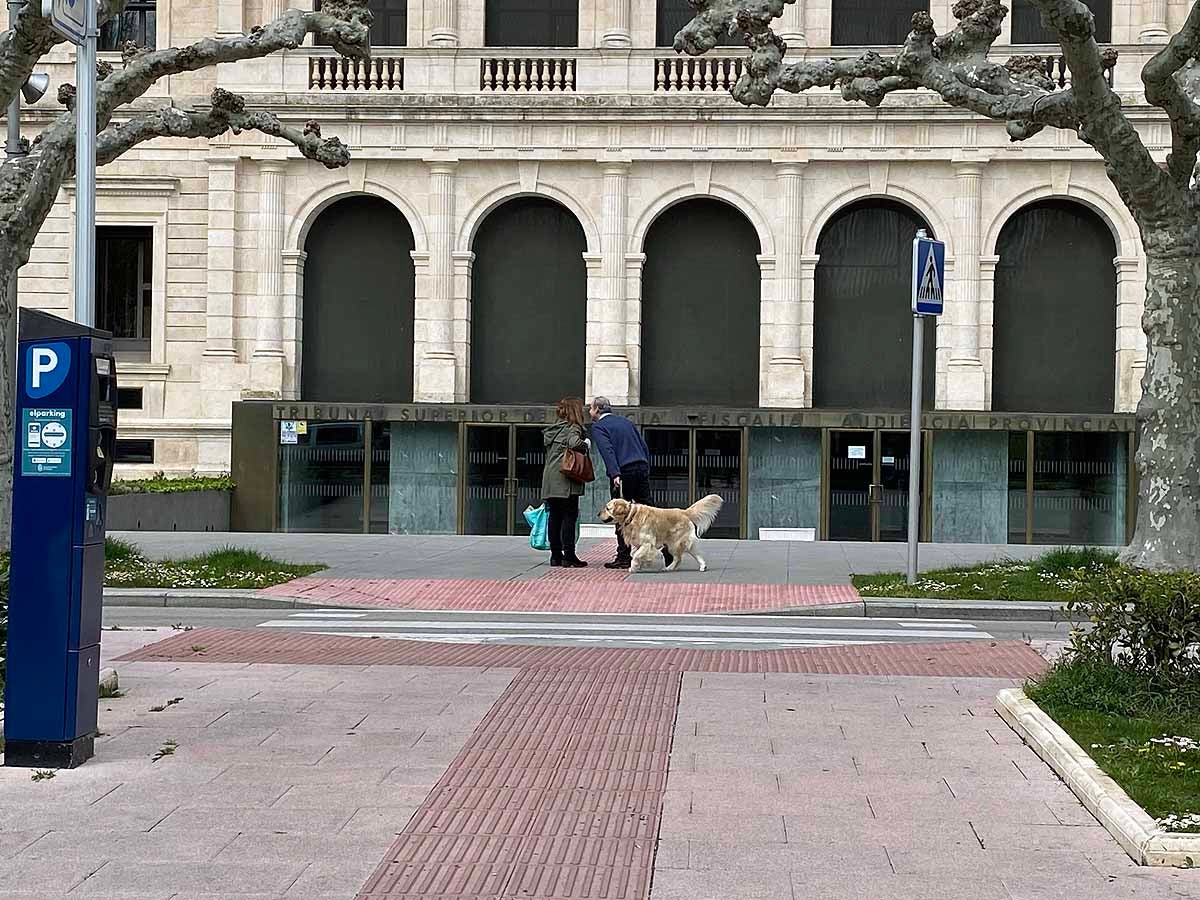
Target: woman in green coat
<point>559,492</point>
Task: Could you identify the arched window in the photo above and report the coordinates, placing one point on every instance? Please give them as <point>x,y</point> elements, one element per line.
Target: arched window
<point>873,22</point>
<point>862,319</point>
<point>531,23</point>
<point>701,290</point>
<point>1027,27</point>
<point>1055,313</point>
<point>358,304</point>
<point>528,304</point>
<point>673,15</point>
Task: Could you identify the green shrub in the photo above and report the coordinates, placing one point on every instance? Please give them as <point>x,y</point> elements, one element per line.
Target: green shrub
<point>116,549</point>
<point>1145,622</point>
<point>161,484</point>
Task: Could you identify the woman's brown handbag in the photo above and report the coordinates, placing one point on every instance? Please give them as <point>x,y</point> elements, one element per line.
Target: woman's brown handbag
<point>577,466</point>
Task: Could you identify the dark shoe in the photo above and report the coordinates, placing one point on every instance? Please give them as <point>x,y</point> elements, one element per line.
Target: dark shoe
<point>573,563</point>
<point>618,564</point>
<point>555,561</point>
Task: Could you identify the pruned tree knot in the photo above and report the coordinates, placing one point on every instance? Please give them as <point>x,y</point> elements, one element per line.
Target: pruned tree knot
<point>131,51</point>
<point>1108,57</point>
<point>228,102</point>
<point>964,8</point>
<point>922,22</point>
<point>103,69</point>
<point>256,33</point>
<point>66,95</point>
<point>313,127</point>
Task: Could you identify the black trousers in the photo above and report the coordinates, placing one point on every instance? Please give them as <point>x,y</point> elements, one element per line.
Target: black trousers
<point>560,530</point>
<point>635,486</point>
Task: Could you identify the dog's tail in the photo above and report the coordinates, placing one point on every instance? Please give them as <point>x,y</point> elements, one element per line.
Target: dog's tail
<point>704,512</point>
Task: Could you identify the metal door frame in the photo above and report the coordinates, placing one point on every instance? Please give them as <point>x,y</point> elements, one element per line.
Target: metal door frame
<point>743,464</point>
<point>509,478</point>
<point>876,480</point>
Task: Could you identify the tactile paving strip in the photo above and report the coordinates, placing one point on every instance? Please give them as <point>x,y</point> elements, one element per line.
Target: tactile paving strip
<point>567,590</point>
<point>556,796</point>
<point>982,659</point>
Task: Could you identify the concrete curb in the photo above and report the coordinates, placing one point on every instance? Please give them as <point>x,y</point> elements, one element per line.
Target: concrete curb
<point>202,598</point>
<point>1135,831</point>
<point>868,607</point>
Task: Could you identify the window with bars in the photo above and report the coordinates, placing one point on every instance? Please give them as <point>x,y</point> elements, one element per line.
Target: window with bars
<point>390,25</point>
<point>124,262</point>
<point>873,22</point>
<point>673,15</point>
<point>1027,27</point>
<point>136,23</point>
<point>531,23</point>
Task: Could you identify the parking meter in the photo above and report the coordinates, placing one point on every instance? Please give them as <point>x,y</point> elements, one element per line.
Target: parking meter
<point>66,421</point>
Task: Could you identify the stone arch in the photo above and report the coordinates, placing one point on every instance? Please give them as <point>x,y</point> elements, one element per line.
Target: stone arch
<point>506,192</point>
<point>862,325</point>
<point>1116,217</point>
<point>316,202</point>
<point>1050,303</point>
<point>701,306</point>
<point>528,303</point>
<point>667,199</point>
<point>359,304</point>
<point>919,206</point>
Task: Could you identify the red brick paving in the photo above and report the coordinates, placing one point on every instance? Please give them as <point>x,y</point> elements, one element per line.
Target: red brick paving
<point>990,659</point>
<point>566,590</point>
<point>556,795</point>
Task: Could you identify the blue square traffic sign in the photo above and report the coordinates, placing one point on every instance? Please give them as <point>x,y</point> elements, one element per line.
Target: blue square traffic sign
<point>929,276</point>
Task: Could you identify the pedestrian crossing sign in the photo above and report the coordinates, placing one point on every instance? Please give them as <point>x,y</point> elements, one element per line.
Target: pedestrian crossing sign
<point>929,276</point>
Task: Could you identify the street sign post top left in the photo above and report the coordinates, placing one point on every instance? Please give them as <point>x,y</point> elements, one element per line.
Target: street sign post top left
<point>69,18</point>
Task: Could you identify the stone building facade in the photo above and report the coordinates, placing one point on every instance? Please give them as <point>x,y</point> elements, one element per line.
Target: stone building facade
<point>613,159</point>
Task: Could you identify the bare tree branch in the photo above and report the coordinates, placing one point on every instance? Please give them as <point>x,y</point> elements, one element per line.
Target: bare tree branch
<point>957,68</point>
<point>227,113</point>
<point>29,186</point>
<point>21,48</point>
<point>1170,79</point>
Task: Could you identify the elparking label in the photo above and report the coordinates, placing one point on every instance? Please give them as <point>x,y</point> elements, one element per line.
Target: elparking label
<point>46,443</point>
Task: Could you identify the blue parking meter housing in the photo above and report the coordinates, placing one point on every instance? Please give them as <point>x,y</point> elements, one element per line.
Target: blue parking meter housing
<point>66,420</point>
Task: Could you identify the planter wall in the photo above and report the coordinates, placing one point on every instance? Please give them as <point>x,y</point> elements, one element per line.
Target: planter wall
<point>185,511</point>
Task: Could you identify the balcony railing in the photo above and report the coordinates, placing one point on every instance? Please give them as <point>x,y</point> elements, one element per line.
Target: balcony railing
<point>688,73</point>
<point>336,73</point>
<point>525,75</point>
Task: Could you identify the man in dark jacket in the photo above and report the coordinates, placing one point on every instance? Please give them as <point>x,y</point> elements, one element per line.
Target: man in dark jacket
<point>627,463</point>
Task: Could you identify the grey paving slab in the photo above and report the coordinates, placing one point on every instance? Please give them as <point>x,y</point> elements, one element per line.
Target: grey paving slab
<point>882,788</point>
<point>268,790</point>
<point>510,558</point>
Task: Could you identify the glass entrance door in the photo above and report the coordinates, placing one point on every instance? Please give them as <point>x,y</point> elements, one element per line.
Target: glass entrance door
<point>503,475</point>
<point>689,463</point>
<point>719,471</point>
<point>851,480</point>
<point>868,481</point>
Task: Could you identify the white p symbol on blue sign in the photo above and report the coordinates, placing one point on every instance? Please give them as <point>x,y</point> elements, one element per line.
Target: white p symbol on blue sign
<point>46,369</point>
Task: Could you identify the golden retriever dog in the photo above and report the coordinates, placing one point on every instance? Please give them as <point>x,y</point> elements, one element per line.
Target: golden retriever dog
<point>646,528</point>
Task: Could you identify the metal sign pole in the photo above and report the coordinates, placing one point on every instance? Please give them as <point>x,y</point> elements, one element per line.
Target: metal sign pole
<point>914,447</point>
<point>85,170</point>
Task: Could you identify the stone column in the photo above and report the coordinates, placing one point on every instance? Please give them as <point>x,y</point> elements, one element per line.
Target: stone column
<point>292,320</point>
<point>808,300</point>
<point>1154,22</point>
<point>634,263</point>
<point>987,298</point>
<point>464,263</point>
<point>222,379</point>
<point>434,328</point>
<point>785,381</point>
<point>222,215</point>
<point>791,27</point>
<point>618,33</point>
<point>445,24</point>
<point>1130,359</point>
<point>965,388</point>
<point>607,337</point>
<point>266,369</point>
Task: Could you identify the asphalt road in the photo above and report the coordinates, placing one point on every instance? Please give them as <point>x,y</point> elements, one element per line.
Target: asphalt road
<point>594,630</point>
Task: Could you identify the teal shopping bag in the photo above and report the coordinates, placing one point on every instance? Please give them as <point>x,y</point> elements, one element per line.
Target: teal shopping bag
<point>537,518</point>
